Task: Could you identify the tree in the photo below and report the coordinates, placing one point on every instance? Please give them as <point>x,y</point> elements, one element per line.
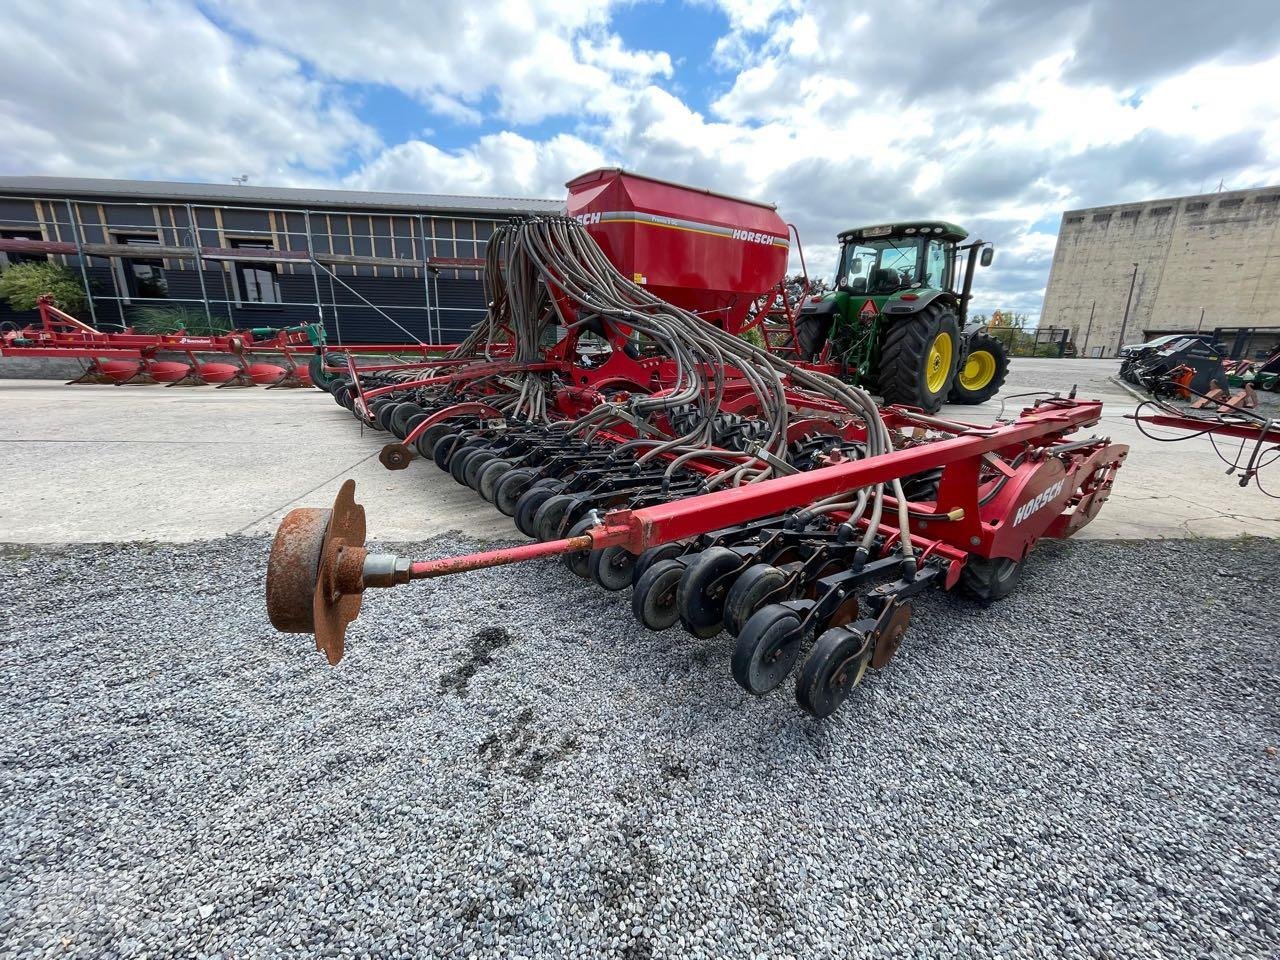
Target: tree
<point>24,283</point>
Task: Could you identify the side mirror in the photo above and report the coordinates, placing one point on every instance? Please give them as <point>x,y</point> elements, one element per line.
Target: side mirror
<point>855,265</point>
<point>988,254</point>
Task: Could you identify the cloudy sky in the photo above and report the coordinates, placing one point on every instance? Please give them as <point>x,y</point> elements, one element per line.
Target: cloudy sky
<point>997,114</point>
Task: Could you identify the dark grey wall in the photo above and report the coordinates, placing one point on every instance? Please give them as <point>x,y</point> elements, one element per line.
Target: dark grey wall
<point>401,298</point>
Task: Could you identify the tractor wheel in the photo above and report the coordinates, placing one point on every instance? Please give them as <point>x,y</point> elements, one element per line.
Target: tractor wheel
<point>988,579</point>
<point>982,374</point>
<point>918,359</point>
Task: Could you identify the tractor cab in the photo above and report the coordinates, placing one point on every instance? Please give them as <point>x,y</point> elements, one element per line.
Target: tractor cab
<point>897,319</point>
<point>884,260</point>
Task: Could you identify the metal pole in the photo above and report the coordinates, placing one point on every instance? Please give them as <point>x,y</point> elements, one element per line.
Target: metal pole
<point>1084,348</point>
<point>311,258</point>
<point>1125,322</point>
<point>84,271</point>
<point>426,276</point>
<point>1201,323</point>
<point>195,245</point>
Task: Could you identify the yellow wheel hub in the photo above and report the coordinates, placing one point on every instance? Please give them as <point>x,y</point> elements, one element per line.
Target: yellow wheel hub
<point>978,371</point>
<point>938,362</point>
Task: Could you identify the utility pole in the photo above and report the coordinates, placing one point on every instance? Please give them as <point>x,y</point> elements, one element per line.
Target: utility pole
<point>1129,302</point>
<point>1084,348</point>
<point>1201,323</point>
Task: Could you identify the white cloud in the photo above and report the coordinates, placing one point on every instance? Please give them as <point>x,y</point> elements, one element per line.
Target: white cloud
<point>997,114</point>
<point>155,90</point>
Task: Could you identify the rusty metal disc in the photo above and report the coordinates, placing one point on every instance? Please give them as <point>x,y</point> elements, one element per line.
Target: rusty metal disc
<point>293,569</point>
<point>395,456</point>
<point>338,587</point>
<point>891,635</point>
<point>846,613</point>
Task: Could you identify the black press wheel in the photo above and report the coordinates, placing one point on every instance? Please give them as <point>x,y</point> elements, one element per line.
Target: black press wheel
<point>654,599</point>
<point>458,463</point>
<point>546,522</point>
<point>382,413</point>
<point>444,448</point>
<point>987,579</point>
<point>579,560</point>
<point>767,649</point>
<point>511,487</point>
<point>749,593</point>
<point>476,463</point>
<point>527,508</point>
<point>700,599</point>
<point>836,664</point>
<point>398,422</point>
<point>665,551</point>
<point>426,440</point>
<point>488,476</point>
<point>611,567</point>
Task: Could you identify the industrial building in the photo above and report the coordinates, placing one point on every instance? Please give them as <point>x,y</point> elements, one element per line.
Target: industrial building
<point>373,267</point>
<point>1133,271</point>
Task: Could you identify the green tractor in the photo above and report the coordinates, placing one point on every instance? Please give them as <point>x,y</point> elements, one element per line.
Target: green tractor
<point>897,319</point>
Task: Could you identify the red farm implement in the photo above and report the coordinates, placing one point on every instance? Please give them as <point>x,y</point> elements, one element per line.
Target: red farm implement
<point>288,357</point>
<point>610,408</point>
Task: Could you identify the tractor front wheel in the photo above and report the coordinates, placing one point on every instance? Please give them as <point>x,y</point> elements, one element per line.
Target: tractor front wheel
<point>918,359</point>
<point>982,374</point>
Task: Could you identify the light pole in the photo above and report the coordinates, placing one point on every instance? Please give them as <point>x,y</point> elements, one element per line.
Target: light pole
<point>1201,323</point>
<point>1084,348</point>
<point>1125,321</point>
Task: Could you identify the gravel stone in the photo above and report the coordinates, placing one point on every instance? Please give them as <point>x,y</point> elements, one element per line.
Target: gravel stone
<point>505,764</point>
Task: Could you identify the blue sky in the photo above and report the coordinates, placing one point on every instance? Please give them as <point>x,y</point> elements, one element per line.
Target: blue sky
<point>997,114</point>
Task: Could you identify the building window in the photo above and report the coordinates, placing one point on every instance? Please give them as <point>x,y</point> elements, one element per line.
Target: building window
<point>1075,219</point>
<point>11,258</point>
<point>1231,203</point>
<point>144,276</point>
<point>1161,211</point>
<point>1129,214</point>
<point>1101,217</point>
<point>1198,207</point>
<point>257,281</point>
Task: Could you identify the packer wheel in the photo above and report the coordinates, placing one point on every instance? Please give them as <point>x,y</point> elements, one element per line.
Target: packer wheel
<point>748,594</point>
<point>476,463</point>
<point>546,522</point>
<point>836,665</point>
<point>511,487</point>
<point>528,507</point>
<point>700,599</point>
<point>398,422</point>
<point>611,567</point>
<point>489,475</point>
<point>578,561</point>
<point>665,551</point>
<point>444,449</point>
<point>767,649</point>
<point>426,442</point>
<point>654,599</point>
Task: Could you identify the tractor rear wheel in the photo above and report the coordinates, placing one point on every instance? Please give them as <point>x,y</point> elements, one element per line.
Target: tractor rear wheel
<point>918,358</point>
<point>982,374</point>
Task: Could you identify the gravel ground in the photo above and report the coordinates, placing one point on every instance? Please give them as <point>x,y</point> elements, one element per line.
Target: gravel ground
<point>505,765</point>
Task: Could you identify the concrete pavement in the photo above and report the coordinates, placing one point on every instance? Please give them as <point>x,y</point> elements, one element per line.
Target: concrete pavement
<point>102,463</point>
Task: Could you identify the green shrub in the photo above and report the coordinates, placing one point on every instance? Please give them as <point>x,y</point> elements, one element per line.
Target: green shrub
<point>23,283</point>
<point>177,319</point>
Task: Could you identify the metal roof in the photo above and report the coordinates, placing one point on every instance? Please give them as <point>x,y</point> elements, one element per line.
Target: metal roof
<point>250,195</point>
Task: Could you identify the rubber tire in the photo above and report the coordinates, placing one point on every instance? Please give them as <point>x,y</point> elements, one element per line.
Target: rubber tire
<point>901,375</point>
<point>578,561</point>
<point>513,485</point>
<point>815,691</point>
<point>547,521</point>
<point>701,615</point>
<point>747,594</point>
<point>771,630</point>
<point>398,422</point>
<point>458,463</point>
<point>528,506</point>
<point>989,579</point>
<point>611,567</point>
<point>319,378</point>
<point>982,341</point>
<point>383,412</point>
<point>426,442</point>
<point>476,463</point>
<point>661,582</point>
<point>489,475</point>
<point>665,551</point>
<point>444,449</point>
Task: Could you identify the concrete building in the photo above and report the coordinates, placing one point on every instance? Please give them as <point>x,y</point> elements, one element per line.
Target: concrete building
<point>1208,263</point>
<point>374,267</point>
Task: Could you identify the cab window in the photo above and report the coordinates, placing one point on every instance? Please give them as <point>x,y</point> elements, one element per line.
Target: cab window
<point>937,266</point>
